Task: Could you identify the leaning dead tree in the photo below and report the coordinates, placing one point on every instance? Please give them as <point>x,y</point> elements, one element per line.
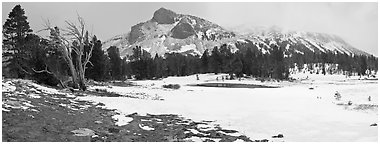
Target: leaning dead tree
<point>73,39</point>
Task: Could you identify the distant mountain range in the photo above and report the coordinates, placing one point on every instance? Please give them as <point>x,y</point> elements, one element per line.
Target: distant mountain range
<point>169,32</point>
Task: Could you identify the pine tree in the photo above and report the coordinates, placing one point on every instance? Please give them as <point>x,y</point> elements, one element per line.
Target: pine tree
<point>215,61</point>
<point>15,30</point>
<point>236,66</point>
<point>248,58</point>
<point>205,61</point>
<point>98,70</point>
<point>278,65</point>
<point>116,63</point>
<point>363,64</point>
<point>225,57</point>
<point>142,64</point>
<point>160,66</point>
<point>36,59</point>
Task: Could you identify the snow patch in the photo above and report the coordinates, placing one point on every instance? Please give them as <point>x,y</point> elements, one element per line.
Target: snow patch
<point>146,127</point>
<point>8,87</point>
<point>46,89</point>
<point>231,134</point>
<point>121,120</point>
<point>287,47</point>
<point>242,40</point>
<point>297,51</point>
<point>194,139</point>
<point>205,127</point>
<point>239,140</point>
<point>28,104</point>
<point>146,48</point>
<point>70,95</point>
<point>34,96</point>
<point>4,109</point>
<point>191,47</point>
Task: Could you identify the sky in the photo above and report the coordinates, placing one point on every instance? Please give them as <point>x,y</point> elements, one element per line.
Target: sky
<point>355,22</point>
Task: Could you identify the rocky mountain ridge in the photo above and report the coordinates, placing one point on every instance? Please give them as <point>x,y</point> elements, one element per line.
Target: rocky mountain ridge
<point>169,32</point>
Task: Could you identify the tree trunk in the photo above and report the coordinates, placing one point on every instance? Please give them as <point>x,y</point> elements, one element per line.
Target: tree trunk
<point>69,61</point>
<point>73,73</point>
<point>81,79</point>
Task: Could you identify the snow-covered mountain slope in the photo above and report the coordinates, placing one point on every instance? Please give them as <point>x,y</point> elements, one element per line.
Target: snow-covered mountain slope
<point>169,32</point>
<point>300,41</point>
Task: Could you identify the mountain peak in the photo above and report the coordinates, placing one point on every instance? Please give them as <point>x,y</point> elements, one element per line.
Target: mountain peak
<point>168,32</point>
<point>164,16</point>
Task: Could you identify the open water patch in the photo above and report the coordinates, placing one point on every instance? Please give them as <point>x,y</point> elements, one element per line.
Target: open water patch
<point>232,85</point>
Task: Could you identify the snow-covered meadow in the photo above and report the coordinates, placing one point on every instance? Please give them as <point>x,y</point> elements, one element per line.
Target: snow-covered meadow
<point>302,110</point>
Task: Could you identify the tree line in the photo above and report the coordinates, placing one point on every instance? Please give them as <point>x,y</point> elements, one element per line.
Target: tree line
<point>248,61</point>
<point>218,60</point>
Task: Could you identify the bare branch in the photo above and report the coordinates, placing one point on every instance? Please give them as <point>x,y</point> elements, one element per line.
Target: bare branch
<point>90,63</point>
<point>76,51</point>
<point>82,25</point>
<point>72,31</point>
<point>23,69</point>
<point>41,71</point>
<point>92,30</point>
<point>88,56</point>
<point>46,25</point>
<point>71,34</point>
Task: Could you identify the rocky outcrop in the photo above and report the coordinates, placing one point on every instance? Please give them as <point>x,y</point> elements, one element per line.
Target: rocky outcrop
<point>136,33</point>
<point>164,16</point>
<point>183,29</point>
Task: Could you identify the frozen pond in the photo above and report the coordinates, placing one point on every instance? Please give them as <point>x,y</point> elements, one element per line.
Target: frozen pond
<point>299,113</point>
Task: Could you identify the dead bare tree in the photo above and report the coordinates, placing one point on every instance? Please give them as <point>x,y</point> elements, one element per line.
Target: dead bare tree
<point>73,39</point>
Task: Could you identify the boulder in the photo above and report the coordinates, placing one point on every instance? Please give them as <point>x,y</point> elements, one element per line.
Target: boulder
<point>83,132</point>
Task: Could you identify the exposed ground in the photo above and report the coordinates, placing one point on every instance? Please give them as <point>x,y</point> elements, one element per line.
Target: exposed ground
<point>34,113</point>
